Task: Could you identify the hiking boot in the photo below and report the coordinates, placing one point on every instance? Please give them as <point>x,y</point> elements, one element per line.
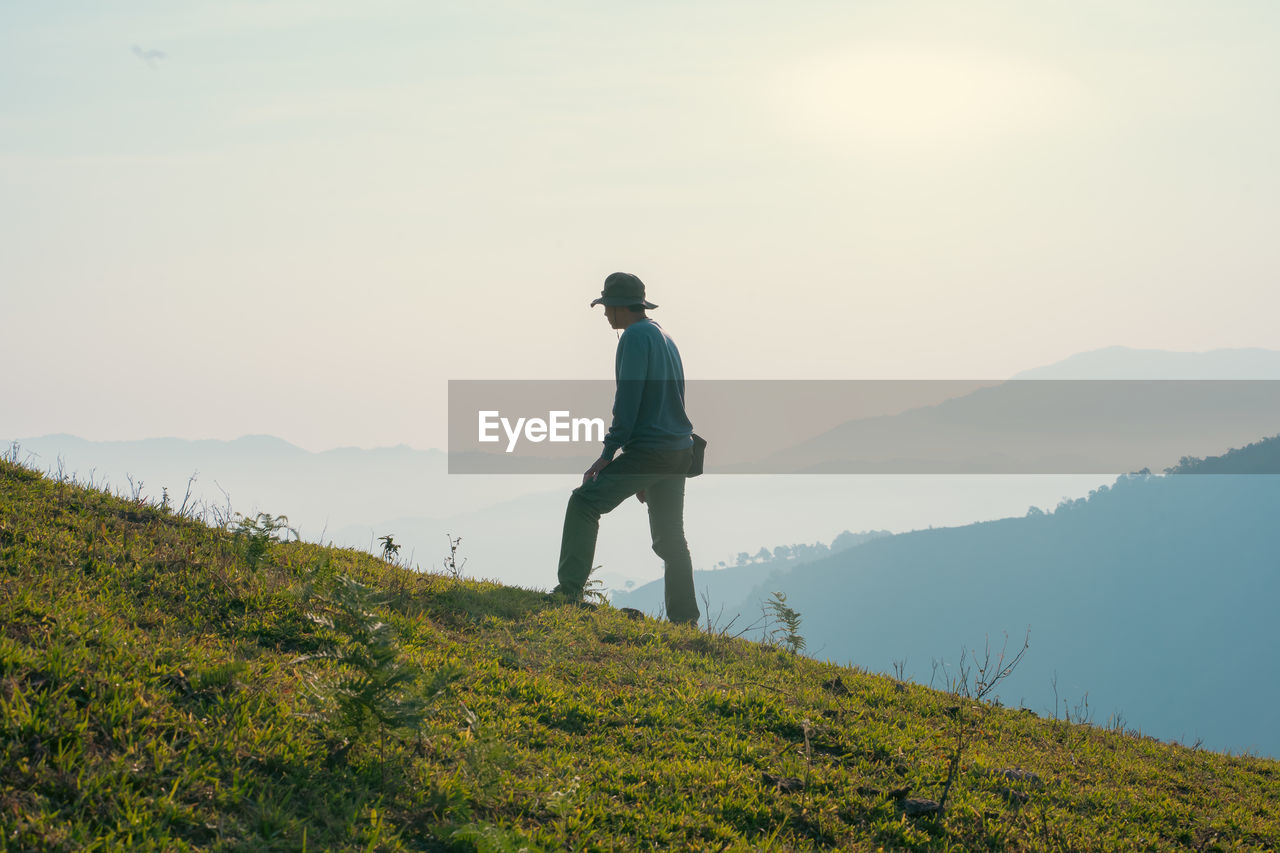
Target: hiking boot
<point>569,595</point>
<point>565,593</point>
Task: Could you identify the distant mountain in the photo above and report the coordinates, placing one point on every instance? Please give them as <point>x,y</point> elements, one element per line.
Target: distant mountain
<point>1045,427</point>
<point>258,472</point>
<point>725,586</point>
<point>1155,597</point>
<point>1259,457</point>
<point>1127,363</point>
<point>1063,418</point>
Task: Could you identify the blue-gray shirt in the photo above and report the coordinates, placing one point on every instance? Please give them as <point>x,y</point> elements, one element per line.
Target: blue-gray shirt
<point>648,407</point>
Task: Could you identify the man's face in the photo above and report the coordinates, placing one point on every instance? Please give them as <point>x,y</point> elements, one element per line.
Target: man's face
<point>611,313</point>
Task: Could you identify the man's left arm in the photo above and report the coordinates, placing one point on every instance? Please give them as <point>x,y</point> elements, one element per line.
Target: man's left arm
<point>631,369</point>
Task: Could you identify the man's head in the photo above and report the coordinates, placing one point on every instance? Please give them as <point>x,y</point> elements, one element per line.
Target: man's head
<point>624,289</point>
<point>623,300</point>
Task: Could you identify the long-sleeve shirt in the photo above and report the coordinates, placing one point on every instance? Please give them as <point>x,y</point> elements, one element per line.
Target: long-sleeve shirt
<point>648,406</point>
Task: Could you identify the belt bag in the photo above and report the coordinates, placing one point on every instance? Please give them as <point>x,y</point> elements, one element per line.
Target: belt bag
<point>699,454</point>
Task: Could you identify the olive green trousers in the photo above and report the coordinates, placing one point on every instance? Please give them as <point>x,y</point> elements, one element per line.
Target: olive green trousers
<point>661,475</point>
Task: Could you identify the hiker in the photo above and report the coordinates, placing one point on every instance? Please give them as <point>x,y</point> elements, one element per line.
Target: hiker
<point>653,432</point>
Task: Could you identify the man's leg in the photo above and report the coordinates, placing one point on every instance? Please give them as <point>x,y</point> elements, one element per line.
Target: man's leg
<point>620,479</point>
<point>666,524</point>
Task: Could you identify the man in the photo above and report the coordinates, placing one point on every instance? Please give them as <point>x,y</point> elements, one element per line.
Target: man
<point>653,432</point>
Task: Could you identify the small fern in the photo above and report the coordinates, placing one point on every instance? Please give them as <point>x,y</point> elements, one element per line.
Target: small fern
<point>376,687</point>
<point>788,631</point>
<point>253,536</point>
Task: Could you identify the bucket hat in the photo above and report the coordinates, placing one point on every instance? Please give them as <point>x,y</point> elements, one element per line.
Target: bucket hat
<point>623,288</point>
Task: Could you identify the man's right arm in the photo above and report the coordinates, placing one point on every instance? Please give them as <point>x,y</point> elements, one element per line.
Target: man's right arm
<point>596,467</point>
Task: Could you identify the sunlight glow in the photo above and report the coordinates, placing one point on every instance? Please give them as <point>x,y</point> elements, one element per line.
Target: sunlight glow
<point>889,98</point>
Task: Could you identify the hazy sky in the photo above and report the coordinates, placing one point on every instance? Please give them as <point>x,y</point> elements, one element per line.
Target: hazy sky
<point>304,217</point>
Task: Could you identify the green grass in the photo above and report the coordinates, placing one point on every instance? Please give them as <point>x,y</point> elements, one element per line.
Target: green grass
<point>152,698</point>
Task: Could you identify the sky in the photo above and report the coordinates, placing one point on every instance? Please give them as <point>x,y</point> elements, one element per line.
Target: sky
<point>303,218</point>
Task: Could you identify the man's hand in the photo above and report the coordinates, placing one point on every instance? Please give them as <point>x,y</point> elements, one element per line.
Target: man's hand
<point>640,496</point>
<point>596,468</point>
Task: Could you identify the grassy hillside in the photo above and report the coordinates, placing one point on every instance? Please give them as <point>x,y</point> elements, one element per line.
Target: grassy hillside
<point>160,690</point>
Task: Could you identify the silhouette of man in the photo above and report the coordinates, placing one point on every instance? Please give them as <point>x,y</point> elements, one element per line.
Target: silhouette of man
<point>653,432</point>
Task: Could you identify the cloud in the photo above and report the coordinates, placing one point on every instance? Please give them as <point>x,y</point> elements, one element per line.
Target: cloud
<point>149,56</point>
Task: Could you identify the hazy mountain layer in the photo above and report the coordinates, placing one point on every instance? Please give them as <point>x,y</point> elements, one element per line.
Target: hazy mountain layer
<point>1155,597</point>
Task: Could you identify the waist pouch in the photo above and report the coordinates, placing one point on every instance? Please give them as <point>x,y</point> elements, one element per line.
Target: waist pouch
<point>699,454</point>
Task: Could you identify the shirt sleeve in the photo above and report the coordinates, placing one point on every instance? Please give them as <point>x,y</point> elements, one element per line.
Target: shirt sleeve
<point>631,365</point>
